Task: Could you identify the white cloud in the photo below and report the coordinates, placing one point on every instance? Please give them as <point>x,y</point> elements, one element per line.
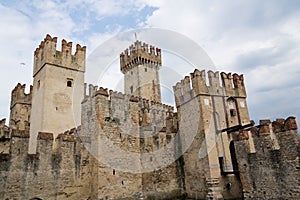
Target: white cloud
<point>260,39</point>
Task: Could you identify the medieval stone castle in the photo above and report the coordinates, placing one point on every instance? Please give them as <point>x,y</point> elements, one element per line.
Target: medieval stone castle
<point>67,140</point>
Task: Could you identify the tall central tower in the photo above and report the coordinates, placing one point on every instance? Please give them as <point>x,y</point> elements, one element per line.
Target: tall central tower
<point>140,65</point>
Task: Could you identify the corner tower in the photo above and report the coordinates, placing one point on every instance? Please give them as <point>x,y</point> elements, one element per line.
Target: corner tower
<point>58,88</point>
<point>140,65</point>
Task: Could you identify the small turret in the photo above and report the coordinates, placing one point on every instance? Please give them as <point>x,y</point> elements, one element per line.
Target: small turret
<point>20,108</point>
<point>18,95</point>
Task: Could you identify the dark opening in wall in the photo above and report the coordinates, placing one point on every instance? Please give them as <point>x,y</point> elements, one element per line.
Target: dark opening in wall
<point>38,84</point>
<point>131,89</point>
<point>233,157</point>
<point>69,83</point>
<point>221,163</point>
<point>232,112</point>
<point>114,172</point>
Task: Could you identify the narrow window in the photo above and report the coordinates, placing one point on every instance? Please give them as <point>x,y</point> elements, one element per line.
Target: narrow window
<point>221,163</point>
<point>233,157</point>
<point>114,172</point>
<point>69,83</point>
<point>38,84</point>
<point>145,69</point>
<point>131,89</point>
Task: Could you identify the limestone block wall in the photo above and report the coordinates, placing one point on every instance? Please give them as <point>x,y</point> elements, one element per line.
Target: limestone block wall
<point>48,174</point>
<point>134,126</point>
<point>58,88</point>
<point>207,110</point>
<point>271,170</point>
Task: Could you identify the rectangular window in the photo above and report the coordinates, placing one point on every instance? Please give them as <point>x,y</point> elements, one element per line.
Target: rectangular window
<point>131,89</point>
<point>221,163</point>
<point>232,112</point>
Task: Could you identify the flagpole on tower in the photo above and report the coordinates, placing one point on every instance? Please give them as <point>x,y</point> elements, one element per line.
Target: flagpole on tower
<point>135,36</point>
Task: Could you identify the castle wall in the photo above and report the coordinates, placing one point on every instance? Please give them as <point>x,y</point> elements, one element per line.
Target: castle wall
<point>127,160</point>
<point>63,174</point>
<point>272,170</point>
<point>131,146</point>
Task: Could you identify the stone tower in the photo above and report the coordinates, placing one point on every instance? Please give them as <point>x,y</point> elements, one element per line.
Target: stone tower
<point>218,110</point>
<point>20,108</point>
<point>141,65</point>
<point>58,88</point>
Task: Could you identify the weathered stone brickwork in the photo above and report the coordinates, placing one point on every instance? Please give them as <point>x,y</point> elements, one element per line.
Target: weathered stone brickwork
<point>131,146</point>
<point>271,170</point>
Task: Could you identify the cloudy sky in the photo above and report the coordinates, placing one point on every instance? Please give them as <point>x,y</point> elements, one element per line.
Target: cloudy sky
<point>260,39</point>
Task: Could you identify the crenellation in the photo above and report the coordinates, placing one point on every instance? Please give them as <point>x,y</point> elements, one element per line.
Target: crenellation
<point>102,91</point>
<point>290,123</point>
<point>46,53</point>
<point>139,54</point>
<point>228,157</point>
<point>18,95</point>
<point>227,83</point>
<point>2,122</point>
<point>214,79</point>
<point>20,107</point>
<point>45,136</point>
<point>268,171</point>
<point>263,133</point>
<point>238,82</point>
<point>19,133</point>
<point>92,90</point>
<point>199,82</point>
<point>66,137</point>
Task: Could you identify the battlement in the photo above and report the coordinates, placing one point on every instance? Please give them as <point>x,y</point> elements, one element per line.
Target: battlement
<point>2,122</point>
<point>109,95</point>
<point>266,127</point>
<point>67,136</point>
<point>4,130</point>
<point>18,95</point>
<point>139,53</point>
<point>119,114</point>
<point>224,85</point>
<point>46,53</point>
